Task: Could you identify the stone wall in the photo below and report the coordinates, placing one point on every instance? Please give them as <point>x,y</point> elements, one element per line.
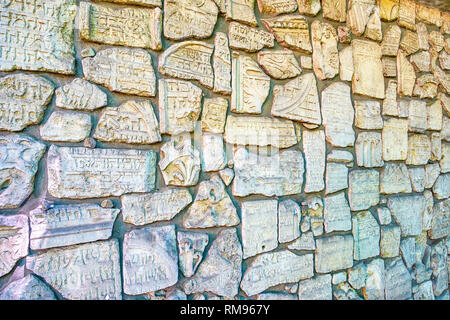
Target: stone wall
<point>284,149</point>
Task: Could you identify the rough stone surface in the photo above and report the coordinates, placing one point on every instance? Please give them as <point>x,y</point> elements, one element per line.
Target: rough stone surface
<point>80,95</point>
<point>394,178</point>
<point>368,149</point>
<point>316,288</point>
<point>249,39</point>
<point>407,212</point>
<point>325,53</point>
<point>14,239</point>
<point>289,216</point>
<point>66,126</point>
<point>334,10</point>
<point>375,282</point>
<point>191,246</point>
<point>314,148</point>
<point>222,64</point>
<point>395,139</point>
<point>398,281</point>
<point>27,288</point>
<point>334,253</point>
<point>336,177</point>
<point>337,213</point>
<point>279,64</point>
<point>363,191</point>
<point>366,235</point>
<point>390,241</point>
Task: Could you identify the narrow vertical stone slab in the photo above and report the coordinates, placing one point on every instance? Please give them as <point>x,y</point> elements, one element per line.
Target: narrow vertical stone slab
<point>80,95</point>
<point>390,104</point>
<point>422,34</point>
<point>363,191</point>
<point>441,188</point>
<point>214,114</point>
<point>358,14</point>
<point>67,269</point>
<point>410,42</point>
<point>325,54</point>
<point>213,155</point>
<point>314,148</point>
<point>346,64</point>
<point>27,288</point>
<point>366,234</point>
<point>389,67</point>
<point>222,64</point>
<point>242,11</point>
<point>395,139</point>
<point>407,14</point>
<point>398,281</point>
<point>337,213</point>
<point>419,149</point>
<point>334,10</point>
<point>150,259</point>
<point>334,253</point>
<point>316,288</point>
<point>406,75</point>
<point>368,77</point>
<point>417,116</point>
<point>357,275</point>
<point>440,223</point>
<point>434,117</point>
<point>14,239</point>
<point>375,283</point>
<point>390,241</point>
<point>368,149</point>
<point>259,226</point>
<point>417,176</point>
<point>191,246</point>
<point>439,265</point>
<point>373,27</point>
<point>289,216</point>
<point>336,177</point>
<point>395,179</point>
<point>80,173</point>
<point>407,212</point>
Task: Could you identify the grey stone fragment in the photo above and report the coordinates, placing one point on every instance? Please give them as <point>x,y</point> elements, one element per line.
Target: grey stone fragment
<point>432,171</point>
<point>384,215</point>
<point>339,277</point>
<point>27,288</point>
<point>289,216</point>
<point>440,222</point>
<point>334,253</point>
<point>305,242</point>
<point>390,241</point>
<point>363,189</point>
<point>336,177</point>
<point>395,178</point>
<point>340,156</point>
<point>80,95</point>
<point>14,238</point>
<point>398,281</point>
<point>439,256</point>
<point>417,176</point>
<point>375,282</point>
<point>366,235</point>
<point>357,275</point>
<point>337,213</point>
<point>408,251</point>
<point>407,212</point>
<point>343,291</point>
<point>441,187</point>
<point>423,291</point>
<point>190,251</point>
<point>316,288</point>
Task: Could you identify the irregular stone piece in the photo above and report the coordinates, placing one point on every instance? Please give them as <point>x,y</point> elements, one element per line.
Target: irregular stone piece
<point>314,148</point>
<point>390,241</point>
<point>357,276</point>
<point>123,70</point>
<point>373,27</point>
<point>190,247</point>
<point>384,215</point>
<point>13,241</point>
<point>250,85</point>
<point>432,172</point>
<point>338,114</point>
<point>337,213</point>
<point>242,11</point>
<point>149,3</point>
<point>366,235</point>
<point>441,77</point>
<point>122,26</point>
<point>426,87</point>
<point>358,14</point>
<point>408,251</point>
<point>417,176</point>
<point>363,191</point>
<point>343,34</point>
<point>407,14</point>
<point>441,187</point>
<point>80,95</point>
<point>340,156</point>
<point>445,160</point>
<point>140,209</point>
<point>422,34</point>
<point>222,64</point>
<point>444,60</point>
<point>27,288</point>
<point>249,39</point>
<point>276,7</point>
<point>428,14</point>
<point>131,122</point>
<point>406,75</point>
<point>398,281</point>
<point>185,19</point>
<point>439,265</point>
<point>304,242</point>
<point>440,223</point>
<point>436,40</point>
<point>395,139</point>
<point>395,179</point>
<point>346,64</point>
<point>423,291</point>
<point>20,155</point>
<point>40,36</point>
<point>288,221</point>
<point>150,259</point>
<point>180,161</point>
<point>368,149</point>
<point>391,106</point>
<point>339,277</point>
<point>375,282</point>
<point>179,106</point>
<point>336,177</point>
<point>388,9</point>
<point>407,212</point>
<point>334,10</point>
<point>419,149</point>
<point>270,269</point>
<point>428,212</point>
<point>98,259</point>
<point>298,100</point>
<point>64,225</point>
<point>213,156</point>
<point>325,54</point>
<point>23,100</point>
<point>66,126</point>
<point>417,115</point>
<point>188,60</point>
<point>410,42</point>
<point>309,7</point>
<point>214,114</point>
<point>220,273</point>
<point>367,114</point>
<point>227,175</point>
<point>343,291</point>
<point>279,64</point>
<point>334,253</point>
<point>80,173</point>
<point>389,66</point>
<point>368,77</point>
<point>291,31</point>
<point>259,226</point>
<point>212,207</point>
<point>260,131</point>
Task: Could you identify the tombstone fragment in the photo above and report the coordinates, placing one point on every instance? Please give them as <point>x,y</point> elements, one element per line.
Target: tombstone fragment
<point>288,221</point>
<point>363,191</point>
<point>325,53</point>
<point>222,64</point>
<point>13,241</point>
<point>395,139</point>
<point>334,253</point>
<point>249,39</point>
<point>279,64</point>
<point>27,288</point>
<point>394,178</point>
<point>190,247</point>
<point>337,213</point>
<point>80,95</point>
<point>314,148</point>
<point>407,212</point>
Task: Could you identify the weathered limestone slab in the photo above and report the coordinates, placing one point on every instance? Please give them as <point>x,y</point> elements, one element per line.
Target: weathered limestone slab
<point>338,114</point>
<point>259,226</point>
<point>242,11</point>
<point>179,106</point>
<point>417,176</point>
<point>80,173</point>
<point>407,14</point>
<point>222,64</point>
<point>80,95</point>
<point>388,9</point>
<point>227,175</point>
<point>23,100</point>
<point>334,10</point>
<point>150,259</point>
<point>340,156</point>
<point>375,282</point>
<point>368,149</point>
<point>316,288</point>
<point>390,241</point>
<point>309,7</point>
<point>445,160</point>
<point>429,14</point>
<point>395,178</point>
<point>357,275</point>
<point>384,215</point>
<point>368,77</point>
<point>66,126</point>
<point>337,213</point>
<point>304,242</point>
<point>214,114</point>
<point>213,155</point>
<point>270,269</point>
<point>406,75</point>
<point>398,281</point>
<point>419,149</point>
<point>220,273</point>
<point>298,100</point>
<point>408,251</point>
<point>417,115</point>
<point>41,36</point>
<point>407,212</point>
<point>444,60</point>
<point>191,246</point>
<point>279,64</point>
<point>441,187</point>
<point>373,27</point>
<point>130,26</point>
<point>291,31</point>
<point>27,288</point>
<point>358,14</point>
<point>180,161</point>
<point>410,42</point>
<point>64,225</point>
<point>366,235</point>
<point>314,149</point>
<point>123,70</point>
<point>391,106</point>
<point>186,19</point>
<point>313,207</point>
<point>445,132</point>
<point>439,265</point>
<point>422,34</point>
<point>13,241</point>
<point>131,122</point>
<point>363,191</point>
<point>20,155</point>
<point>88,271</point>
<point>425,87</point>
<point>140,209</point>
<point>395,139</point>
<point>289,215</point>
<point>260,131</point>
<point>250,85</point>
<point>276,7</point>
<point>442,77</point>
<point>249,39</point>
<point>432,172</point>
<point>389,67</point>
<point>189,60</point>
<point>367,114</point>
<point>428,212</point>
<point>440,223</point>
<point>436,40</point>
<point>336,177</point>
<point>334,253</point>
<point>346,64</point>
<point>325,53</point>
<point>212,207</point>
<point>423,291</point>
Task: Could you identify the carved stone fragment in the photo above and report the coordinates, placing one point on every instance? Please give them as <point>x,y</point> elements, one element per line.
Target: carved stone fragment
<point>334,10</point>
<point>309,7</point>
<point>432,171</point>
<point>375,282</point>
<point>242,11</point>
<point>406,75</point>
<point>407,14</point>
<point>395,139</point>
<point>363,191</point>
<point>419,149</point>
<point>417,115</point>
<point>367,114</point>
<point>249,39</point>
<point>66,126</point>
<point>410,42</point>
<point>441,187</point>
<point>389,66</point>
<point>214,114</point>
<point>417,176</point>
<point>440,223</point>
<point>407,212</point>
<point>213,155</point>
<point>398,281</point>
<point>390,241</point>
<point>373,27</point>
<point>368,149</point>
<point>314,148</point>
<point>276,7</point>
<point>357,275</point>
<point>358,15</point>
<point>325,54</point>
<point>222,64</point>
<point>13,241</point>
<point>27,288</point>
<point>279,64</point>
<point>394,178</point>
<point>336,177</point>
<point>337,213</point>
<point>334,253</point>
<point>346,64</point>
<point>304,242</point>
<point>316,288</point>
<point>289,216</point>
<point>190,250</point>
<point>80,95</point>
<point>426,86</point>
<point>388,9</point>
<point>366,235</point>
<point>421,61</point>
<point>422,34</point>
<point>439,265</point>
